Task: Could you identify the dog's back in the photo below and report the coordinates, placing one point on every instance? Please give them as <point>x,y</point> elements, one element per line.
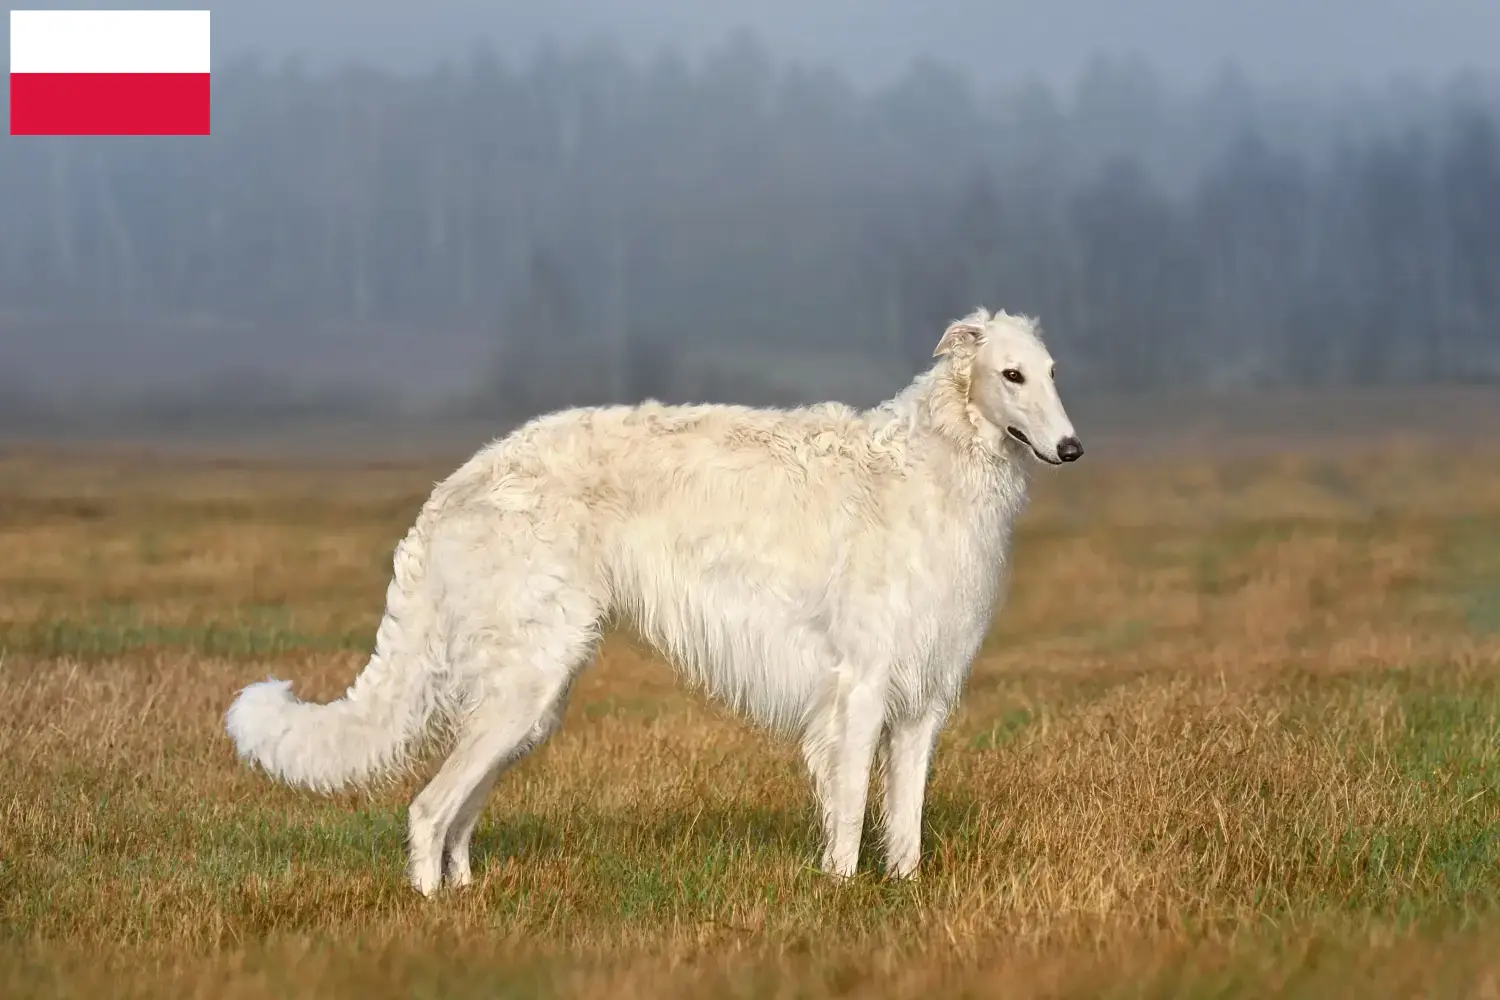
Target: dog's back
<point>747,544</point>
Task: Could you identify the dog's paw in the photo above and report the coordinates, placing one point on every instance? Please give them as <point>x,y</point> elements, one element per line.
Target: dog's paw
<point>426,883</point>
<point>838,871</point>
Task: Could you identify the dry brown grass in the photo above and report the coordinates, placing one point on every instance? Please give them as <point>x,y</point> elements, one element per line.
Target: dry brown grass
<point>1235,734</point>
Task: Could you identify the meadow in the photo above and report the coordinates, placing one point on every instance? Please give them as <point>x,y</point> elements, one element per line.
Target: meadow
<point>1236,733</point>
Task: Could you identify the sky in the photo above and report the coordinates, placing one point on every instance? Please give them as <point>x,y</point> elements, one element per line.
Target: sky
<point>1295,46</point>
<point>1320,43</point>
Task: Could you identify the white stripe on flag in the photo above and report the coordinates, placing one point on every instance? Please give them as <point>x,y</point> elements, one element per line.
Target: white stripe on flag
<point>109,41</point>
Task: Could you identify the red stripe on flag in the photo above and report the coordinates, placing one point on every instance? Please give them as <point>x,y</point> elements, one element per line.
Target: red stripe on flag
<point>109,103</point>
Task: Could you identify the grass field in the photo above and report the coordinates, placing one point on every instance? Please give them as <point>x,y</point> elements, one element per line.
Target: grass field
<point>1237,733</point>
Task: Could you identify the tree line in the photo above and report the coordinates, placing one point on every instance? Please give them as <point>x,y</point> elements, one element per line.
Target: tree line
<point>592,221</point>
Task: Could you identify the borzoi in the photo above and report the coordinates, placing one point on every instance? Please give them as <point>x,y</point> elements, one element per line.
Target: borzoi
<point>825,571</point>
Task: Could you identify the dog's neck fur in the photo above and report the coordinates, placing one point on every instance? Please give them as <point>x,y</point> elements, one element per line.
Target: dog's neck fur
<point>936,404</point>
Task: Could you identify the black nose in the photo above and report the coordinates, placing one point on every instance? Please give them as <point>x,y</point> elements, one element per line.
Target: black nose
<point>1070,449</point>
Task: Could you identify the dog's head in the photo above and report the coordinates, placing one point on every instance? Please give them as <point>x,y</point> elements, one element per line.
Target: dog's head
<point>1011,382</point>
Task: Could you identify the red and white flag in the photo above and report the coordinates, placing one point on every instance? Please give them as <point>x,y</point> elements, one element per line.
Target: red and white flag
<point>109,72</point>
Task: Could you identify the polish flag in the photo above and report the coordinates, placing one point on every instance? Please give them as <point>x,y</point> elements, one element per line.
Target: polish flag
<point>109,72</point>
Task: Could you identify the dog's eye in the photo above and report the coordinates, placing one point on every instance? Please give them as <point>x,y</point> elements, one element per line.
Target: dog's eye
<point>1014,375</point>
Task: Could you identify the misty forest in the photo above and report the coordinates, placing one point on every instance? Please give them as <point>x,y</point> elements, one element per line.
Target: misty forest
<point>501,238</point>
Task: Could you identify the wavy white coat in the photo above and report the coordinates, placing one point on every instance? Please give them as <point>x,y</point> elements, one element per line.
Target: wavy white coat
<point>826,571</point>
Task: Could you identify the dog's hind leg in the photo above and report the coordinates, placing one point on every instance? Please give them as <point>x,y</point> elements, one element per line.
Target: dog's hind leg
<point>517,695</point>
<point>839,746</point>
<point>456,867</point>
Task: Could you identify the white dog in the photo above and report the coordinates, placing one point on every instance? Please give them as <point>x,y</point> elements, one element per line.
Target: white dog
<point>823,570</point>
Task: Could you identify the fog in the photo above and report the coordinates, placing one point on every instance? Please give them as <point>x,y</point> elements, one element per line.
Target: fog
<point>997,43</point>
<point>497,208</point>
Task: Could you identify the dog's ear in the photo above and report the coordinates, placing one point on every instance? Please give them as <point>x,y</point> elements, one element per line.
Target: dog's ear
<point>962,335</point>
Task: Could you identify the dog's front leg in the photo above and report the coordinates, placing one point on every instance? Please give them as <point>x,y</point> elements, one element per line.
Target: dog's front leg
<point>909,746</point>
<point>857,715</point>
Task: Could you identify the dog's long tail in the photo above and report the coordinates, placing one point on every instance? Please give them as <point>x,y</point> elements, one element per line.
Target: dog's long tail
<point>369,732</point>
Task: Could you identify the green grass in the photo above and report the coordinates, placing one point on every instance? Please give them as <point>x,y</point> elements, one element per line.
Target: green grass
<point>1254,756</point>
<point>110,630</point>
